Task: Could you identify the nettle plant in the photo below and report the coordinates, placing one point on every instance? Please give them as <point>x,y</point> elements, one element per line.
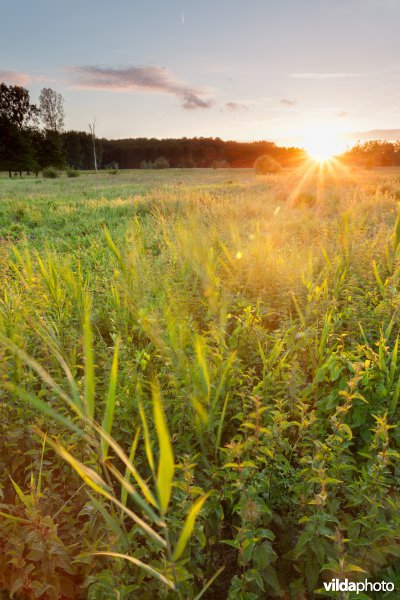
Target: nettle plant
<point>135,512</point>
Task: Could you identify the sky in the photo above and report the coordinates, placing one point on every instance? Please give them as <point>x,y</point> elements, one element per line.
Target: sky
<point>280,70</point>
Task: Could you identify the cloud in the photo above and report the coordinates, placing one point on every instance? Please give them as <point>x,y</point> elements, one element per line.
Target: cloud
<point>235,106</point>
<point>390,135</point>
<point>15,77</point>
<point>287,102</point>
<point>324,75</point>
<point>343,114</point>
<point>147,79</point>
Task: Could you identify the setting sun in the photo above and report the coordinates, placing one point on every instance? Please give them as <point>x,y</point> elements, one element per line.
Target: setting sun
<point>323,147</point>
<point>323,142</point>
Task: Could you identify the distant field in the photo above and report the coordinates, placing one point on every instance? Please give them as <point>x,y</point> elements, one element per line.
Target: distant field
<point>262,314</point>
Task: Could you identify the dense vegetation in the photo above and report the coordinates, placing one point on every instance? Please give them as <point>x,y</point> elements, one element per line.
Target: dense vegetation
<point>237,339</point>
<point>374,154</point>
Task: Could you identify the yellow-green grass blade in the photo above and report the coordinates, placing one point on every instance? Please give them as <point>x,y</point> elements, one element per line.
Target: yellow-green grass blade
<point>109,519</point>
<point>209,583</point>
<point>43,374</point>
<point>147,443</point>
<point>127,476</point>
<point>139,564</point>
<point>89,365</point>
<point>43,407</point>
<point>94,481</point>
<point>136,497</point>
<point>188,527</point>
<point>110,401</point>
<point>25,499</point>
<point>129,465</point>
<point>166,465</point>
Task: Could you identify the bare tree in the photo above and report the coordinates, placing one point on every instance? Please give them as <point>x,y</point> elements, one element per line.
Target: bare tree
<point>92,129</point>
<point>52,113</point>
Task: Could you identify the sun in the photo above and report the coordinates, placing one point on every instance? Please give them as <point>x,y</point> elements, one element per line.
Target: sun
<point>322,144</point>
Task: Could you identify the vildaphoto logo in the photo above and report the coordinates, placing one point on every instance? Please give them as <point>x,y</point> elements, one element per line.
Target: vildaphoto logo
<point>344,585</point>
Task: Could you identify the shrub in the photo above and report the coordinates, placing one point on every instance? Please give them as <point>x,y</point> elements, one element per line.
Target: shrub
<point>50,173</point>
<point>266,164</point>
<point>72,173</point>
<point>161,163</point>
<point>146,165</point>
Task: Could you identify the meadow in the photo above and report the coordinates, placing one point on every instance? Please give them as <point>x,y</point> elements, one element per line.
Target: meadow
<point>200,381</point>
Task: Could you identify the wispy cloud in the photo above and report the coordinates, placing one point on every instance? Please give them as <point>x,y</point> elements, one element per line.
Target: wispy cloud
<point>147,79</point>
<point>390,135</point>
<point>287,102</point>
<point>235,106</point>
<point>15,77</point>
<point>324,75</point>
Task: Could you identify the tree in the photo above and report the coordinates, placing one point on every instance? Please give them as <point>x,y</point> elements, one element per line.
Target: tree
<point>46,150</point>
<point>52,113</point>
<point>17,116</point>
<point>15,106</point>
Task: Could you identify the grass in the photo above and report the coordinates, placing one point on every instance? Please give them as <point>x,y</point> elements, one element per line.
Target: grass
<point>236,336</point>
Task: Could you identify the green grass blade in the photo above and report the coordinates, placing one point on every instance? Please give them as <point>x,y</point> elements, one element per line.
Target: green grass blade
<point>221,423</point>
<point>121,454</point>
<point>44,408</point>
<point>138,499</point>
<point>43,374</point>
<point>127,476</point>
<point>89,365</point>
<point>109,519</point>
<point>138,563</point>
<point>201,360</point>
<point>188,527</point>
<point>209,583</point>
<point>96,483</point>
<point>25,499</point>
<point>166,465</point>
<point>147,442</point>
<point>378,278</point>
<point>110,401</point>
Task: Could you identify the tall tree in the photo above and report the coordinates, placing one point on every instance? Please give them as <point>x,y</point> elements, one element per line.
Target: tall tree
<point>15,106</point>
<point>17,116</point>
<point>52,112</point>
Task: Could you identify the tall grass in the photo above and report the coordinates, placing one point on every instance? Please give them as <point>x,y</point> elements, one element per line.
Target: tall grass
<point>218,366</point>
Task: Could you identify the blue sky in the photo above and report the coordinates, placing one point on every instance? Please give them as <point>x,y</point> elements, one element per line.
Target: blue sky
<point>229,68</point>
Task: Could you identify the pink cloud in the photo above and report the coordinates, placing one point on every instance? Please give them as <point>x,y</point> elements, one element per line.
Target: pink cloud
<point>147,78</point>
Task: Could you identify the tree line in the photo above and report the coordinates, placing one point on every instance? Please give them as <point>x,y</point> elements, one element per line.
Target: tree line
<point>374,154</point>
<point>33,137</point>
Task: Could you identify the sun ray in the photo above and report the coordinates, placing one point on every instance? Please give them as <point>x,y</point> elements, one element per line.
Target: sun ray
<point>311,167</point>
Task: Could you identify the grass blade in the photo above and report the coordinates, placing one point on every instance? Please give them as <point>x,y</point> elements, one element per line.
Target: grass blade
<point>127,476</point>
<point>138,563</point>
<point>147,443</point>
<point>44,408</point>
<point>209,583</point>
<point>166,465</point>
<point>188,527</point>
<point>94,481</point>
<point>89,365</point>
<point>121,454</point>
<point>110,402</point>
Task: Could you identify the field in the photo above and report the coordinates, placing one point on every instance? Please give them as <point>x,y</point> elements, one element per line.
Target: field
<point>200,374</point>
